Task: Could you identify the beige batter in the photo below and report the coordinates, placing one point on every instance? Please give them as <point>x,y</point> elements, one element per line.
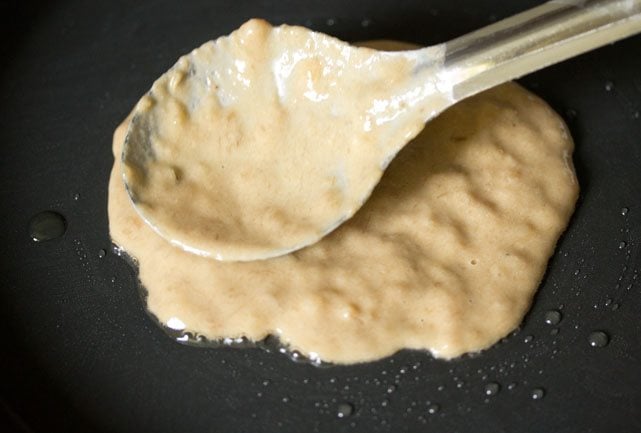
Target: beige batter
<point>445,256</point>
<point>264,140</point>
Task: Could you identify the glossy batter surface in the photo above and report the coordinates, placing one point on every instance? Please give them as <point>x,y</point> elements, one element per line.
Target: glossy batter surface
<point>263,141</point>
<point>445,256</point>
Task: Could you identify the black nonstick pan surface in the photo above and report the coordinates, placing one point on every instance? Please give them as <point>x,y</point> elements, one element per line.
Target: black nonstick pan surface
<point>79,352</point>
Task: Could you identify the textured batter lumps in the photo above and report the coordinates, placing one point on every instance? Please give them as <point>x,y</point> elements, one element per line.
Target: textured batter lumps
<point>445,256</point>
<point>262,141</point>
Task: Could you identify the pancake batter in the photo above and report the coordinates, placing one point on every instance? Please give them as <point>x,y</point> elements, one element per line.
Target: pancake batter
<point>445,256</point>
<point>261,142</point>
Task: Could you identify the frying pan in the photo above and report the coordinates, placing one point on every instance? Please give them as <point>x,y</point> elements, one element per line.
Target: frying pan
<point>80,353</point>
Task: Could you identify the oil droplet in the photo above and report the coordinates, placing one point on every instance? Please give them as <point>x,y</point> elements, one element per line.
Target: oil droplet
<point>528,339</point>
<point>47,225</point>
<point>433,408</point>
<point>344,410</point>
<point>285,399</point>
<point>492,388</point>
<point>76,197</point>
<point>511,386</point>
<point>609,85</point>
<point>102,253</point>
<point>538,393</point>
<point>553,317</point>
<point>331,21</point>
<point>622,245</point>
<point>624,211</point>
<point>598,339</point>
<point>391,389</point>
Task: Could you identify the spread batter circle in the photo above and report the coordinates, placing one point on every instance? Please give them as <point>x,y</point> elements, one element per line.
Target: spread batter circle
<point>445,256</point>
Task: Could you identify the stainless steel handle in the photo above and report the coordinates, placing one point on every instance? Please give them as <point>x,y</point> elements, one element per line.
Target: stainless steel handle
<point>534,39</point>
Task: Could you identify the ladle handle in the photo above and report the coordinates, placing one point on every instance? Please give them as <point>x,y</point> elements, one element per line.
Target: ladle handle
<point>534,39</point>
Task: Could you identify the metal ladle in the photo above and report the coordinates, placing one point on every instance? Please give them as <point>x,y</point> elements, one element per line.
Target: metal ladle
<point>441,75</point>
